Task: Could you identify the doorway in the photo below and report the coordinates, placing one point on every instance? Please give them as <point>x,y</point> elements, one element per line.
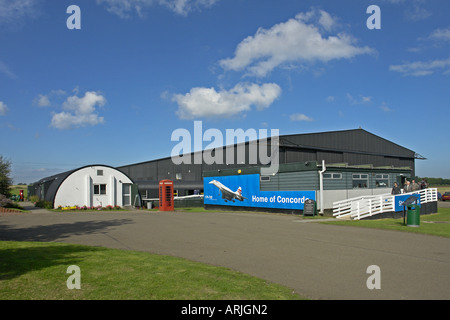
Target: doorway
<point>126,194</point>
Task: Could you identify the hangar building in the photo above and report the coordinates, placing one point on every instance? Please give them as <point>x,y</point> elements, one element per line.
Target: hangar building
<point>343,149</point>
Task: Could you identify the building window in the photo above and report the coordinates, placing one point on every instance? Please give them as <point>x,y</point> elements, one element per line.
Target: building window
<point>99,189</point>
<point>264,178</point>
<point>360,181</point>
<point>99,172</point>
<point>381,180</point>
<point>332,175</point>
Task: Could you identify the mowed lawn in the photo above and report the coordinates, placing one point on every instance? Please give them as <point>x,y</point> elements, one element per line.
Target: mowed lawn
<point>437,224</point>
<point>38,271</point>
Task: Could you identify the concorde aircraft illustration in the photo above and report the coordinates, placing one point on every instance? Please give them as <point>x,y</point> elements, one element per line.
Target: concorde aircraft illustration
<point>227,194</point>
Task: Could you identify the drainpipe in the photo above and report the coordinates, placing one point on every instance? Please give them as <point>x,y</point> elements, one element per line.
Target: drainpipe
<point>321,185</point>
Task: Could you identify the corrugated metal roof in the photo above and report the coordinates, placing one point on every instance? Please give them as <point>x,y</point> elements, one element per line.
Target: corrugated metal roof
<point>350,141</point>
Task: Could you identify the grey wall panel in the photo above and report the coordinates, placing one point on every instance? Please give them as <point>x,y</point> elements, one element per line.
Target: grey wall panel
<point>336,184</point>
<point>292,155</point>
<point>330,157</point>
<point>307,180</point>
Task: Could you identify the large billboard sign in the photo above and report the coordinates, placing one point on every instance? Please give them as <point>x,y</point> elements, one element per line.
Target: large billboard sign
<point>244,191</point>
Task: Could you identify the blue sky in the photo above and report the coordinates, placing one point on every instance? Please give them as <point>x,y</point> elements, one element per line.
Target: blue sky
<point>114,91</point>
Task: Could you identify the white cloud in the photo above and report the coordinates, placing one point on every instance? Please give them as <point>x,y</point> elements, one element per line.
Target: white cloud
<point>416,12</point>
<point>440,34</point>
<point>422,68</point>
<point>124,8</point>
<point>362,99</point>
<point>15,11</point>
<point>43,100</point>
<point>3,108</point>
<point>436,39</point>
<point>299,117</point>
<point>183,7</point>
<point>79,112</point>
<point>85,104</point>
<point>207,102</point>
<point>385,107</point>
<point>366,99</point>
<point>326,21</point>
<point>67,120</point>
<point>5,70</point>
<point>296,40</point>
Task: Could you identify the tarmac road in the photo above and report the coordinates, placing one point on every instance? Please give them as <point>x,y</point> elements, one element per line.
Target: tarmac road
<point>318,261</point>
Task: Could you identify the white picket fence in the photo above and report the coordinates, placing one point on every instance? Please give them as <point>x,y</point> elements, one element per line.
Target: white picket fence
<point>366,206</point>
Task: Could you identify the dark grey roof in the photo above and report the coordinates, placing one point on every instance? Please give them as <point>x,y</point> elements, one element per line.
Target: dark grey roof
<point>351,141</point>
<point>52,184</point>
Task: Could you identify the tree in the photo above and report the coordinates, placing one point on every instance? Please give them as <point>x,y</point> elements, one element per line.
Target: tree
<point>5,179</point>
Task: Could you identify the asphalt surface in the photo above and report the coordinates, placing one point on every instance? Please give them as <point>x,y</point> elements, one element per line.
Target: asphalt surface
<point>316,260</point>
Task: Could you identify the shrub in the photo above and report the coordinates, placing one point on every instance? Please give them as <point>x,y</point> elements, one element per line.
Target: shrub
<point>44,204</point>
<point>4,201</point>
<point>34,199</point>
<point>8,203</point>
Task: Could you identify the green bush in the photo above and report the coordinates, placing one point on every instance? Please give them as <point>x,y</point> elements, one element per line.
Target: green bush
<point>8,203</point>
<point>4,201</point>
<point>44,204</point>
<point>34,199</point>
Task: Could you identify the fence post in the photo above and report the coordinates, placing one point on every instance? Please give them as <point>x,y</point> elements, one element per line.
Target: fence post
<point>357,207</point>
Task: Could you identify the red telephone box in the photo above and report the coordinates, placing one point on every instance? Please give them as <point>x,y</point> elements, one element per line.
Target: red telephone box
<point>166,195</point>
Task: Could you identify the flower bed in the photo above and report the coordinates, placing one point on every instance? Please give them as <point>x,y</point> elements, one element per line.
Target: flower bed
<point>85,208</point>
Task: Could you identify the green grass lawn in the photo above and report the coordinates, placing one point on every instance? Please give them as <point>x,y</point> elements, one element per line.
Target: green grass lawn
<point>433,224</point>
<point>37,270</point>
<point>16,189</point>
<point>442,189</point>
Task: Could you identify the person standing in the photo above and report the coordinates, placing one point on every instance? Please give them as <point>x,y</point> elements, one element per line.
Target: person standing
<point>395,189</point>
<point>407,187</point>
<point>423,184</point>
<point>415,186</point>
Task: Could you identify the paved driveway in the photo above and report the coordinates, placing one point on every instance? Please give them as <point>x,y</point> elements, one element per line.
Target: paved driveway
<point>316,260</point>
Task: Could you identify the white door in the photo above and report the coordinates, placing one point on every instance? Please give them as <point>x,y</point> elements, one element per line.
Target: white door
<point>126,193</point>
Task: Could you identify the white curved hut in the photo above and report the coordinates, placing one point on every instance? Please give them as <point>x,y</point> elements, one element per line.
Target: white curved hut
<point>90,186</point>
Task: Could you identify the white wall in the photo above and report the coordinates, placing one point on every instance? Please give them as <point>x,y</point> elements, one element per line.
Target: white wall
<point>78,188</point>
